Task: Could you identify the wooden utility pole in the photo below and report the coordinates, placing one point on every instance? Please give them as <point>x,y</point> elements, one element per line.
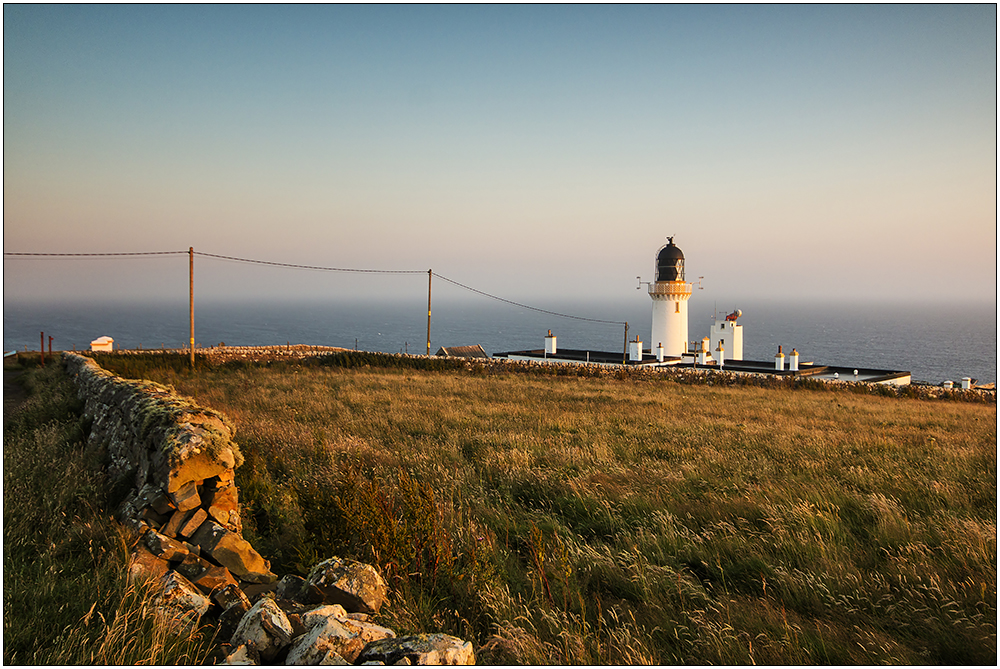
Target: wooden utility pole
<point>41,347</point>
<point>191,301</point>
<point>429,275</point>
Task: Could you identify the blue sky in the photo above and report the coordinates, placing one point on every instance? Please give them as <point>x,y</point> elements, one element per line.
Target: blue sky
<point>541,153</point>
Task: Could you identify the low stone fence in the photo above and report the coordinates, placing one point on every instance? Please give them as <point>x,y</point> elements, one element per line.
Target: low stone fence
<point>184,508</point>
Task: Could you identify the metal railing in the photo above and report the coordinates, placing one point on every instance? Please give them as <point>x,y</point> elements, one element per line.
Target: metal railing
<point>670,288</point>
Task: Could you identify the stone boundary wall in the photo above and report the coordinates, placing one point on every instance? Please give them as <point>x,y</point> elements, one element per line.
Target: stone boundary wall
<point>183,504</point>
<point>184,508</point>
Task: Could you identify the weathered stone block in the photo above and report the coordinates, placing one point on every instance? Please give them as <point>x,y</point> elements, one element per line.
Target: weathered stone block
<point>192,566</point>
<point>164,547</point>
<point>180,605</point>
<point>189,526</point>
<point>213,578</point>
<point>321,614</point>
<point>354,585</point>
<point>233,552</point>
<point>419,649</point>
<point>145,566</point>
<point>266,626</point>
<point>230,595</point>
<point>331,635</point>
<point>173,525</point>
<point>186,497</point>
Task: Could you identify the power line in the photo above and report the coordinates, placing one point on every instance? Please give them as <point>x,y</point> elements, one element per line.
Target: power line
<point>313,267</point>
<point>525,306</point>
<point>328,269</point>
<point>84,255</point>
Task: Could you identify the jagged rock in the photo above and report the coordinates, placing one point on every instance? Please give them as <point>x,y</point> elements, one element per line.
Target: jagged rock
<point>164,547</point>
<point>244,655</point>
<point>145,566</point>
<point>213,578</point>
<point>419,649</point>
<point>354,585</point>
<point>192,566</point>
<point>229,620</point>
<point>233,552</point>
<point>191,525</point>
<point>266,626</point>
<point>180,605</point>
<point>320,614</point>
<point>294,588</point>
<point>330,629</point>
<point>223,504</point>
<point>186,497</point>
<point>331,635</point>
<point>332,659</point>
<point>174,523</point>
<point>366,631</point>
<point>230,595</point>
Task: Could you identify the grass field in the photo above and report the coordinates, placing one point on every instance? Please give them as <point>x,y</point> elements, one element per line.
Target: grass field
<point>584,520</point>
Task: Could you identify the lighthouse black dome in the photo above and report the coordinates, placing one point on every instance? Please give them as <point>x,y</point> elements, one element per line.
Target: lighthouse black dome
<point>670,263</point>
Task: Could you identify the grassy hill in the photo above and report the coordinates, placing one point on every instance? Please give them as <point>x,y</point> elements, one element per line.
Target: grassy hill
<point>599,520</point>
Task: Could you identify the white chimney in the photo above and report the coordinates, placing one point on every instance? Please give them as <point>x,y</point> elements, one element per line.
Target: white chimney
<point>659,352</point>
<point>779,361</point>
<point>721,354</point>
<point>550,344</point>
<point>793,361</point>
<point>635,350</point>
<point>966,383</point>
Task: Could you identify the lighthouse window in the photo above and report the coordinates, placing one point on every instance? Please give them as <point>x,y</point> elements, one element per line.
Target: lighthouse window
<point>677,307</point>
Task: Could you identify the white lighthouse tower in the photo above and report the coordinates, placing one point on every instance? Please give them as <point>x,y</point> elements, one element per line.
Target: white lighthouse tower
<point>670,293</point>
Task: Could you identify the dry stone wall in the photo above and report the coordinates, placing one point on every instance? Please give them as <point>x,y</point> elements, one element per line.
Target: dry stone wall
<point>184,508</point>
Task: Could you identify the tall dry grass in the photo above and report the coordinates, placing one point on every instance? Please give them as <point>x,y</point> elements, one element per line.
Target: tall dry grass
<point>67,598</point>
<point>585,520</point>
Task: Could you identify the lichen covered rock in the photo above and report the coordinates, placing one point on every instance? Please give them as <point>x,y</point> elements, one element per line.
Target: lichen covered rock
<point>265,626</point>
<point>419,649</point>
<point>354,585</point>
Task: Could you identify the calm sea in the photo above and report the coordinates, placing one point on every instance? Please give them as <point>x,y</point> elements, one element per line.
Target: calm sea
<point>934,343</point>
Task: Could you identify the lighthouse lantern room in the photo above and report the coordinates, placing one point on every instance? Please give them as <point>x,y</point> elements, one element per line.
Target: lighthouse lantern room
<point>670,294</point>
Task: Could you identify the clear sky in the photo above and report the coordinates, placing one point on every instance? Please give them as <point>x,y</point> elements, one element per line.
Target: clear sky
<point>536,152</point>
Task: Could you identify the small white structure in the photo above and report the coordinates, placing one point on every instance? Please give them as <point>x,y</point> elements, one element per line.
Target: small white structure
<point>779,360</point>
<point>793,361</point>
<point>659,352</point>
<point>102,344</point>
<point>635,350</point>
<point>704,357</point>
<point>720,354</point>
<point>670,294</point>
<point>729,331</point>
<point>550,344</point>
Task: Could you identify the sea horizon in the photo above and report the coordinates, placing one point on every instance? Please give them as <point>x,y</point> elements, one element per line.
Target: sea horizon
<point>933,342</point>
